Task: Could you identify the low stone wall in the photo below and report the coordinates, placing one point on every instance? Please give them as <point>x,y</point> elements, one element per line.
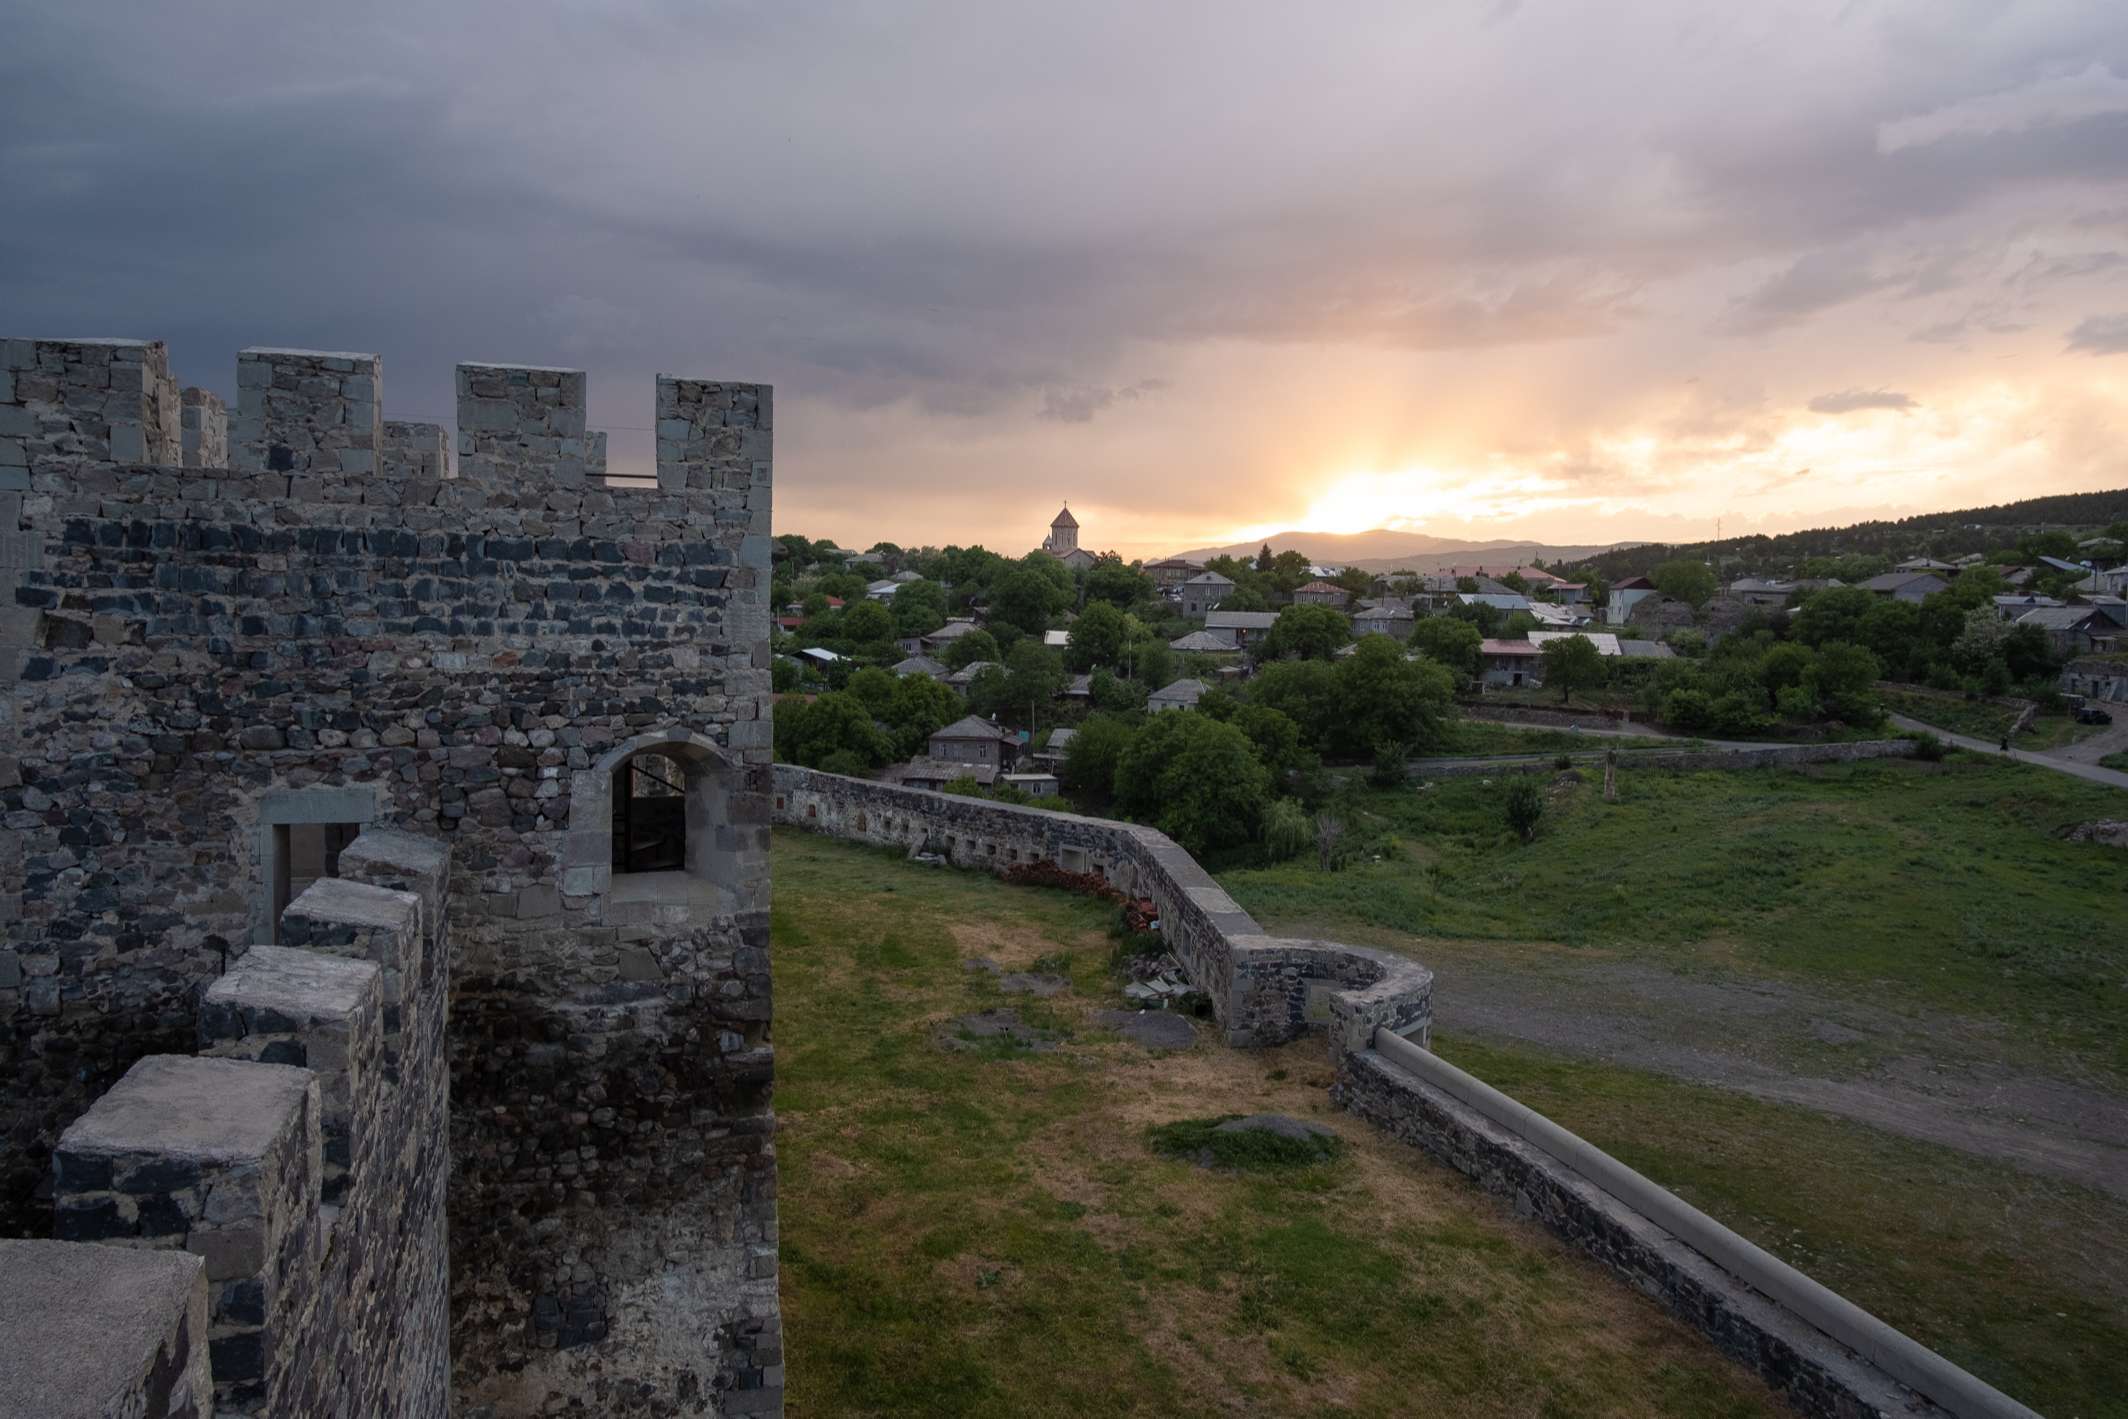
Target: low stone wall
<point>1684,760</point>
<point>1489,712</point>
<point>1264,989</point>
<point>1808,1369</point>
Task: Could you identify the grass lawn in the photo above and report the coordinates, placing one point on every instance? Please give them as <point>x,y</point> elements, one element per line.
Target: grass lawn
<point>2052,731</point>
<point>2117,762</point>
<point>1981,718</point>
<point>994,1231</point>
<point>1472,737</point>
<point>2022,1280</point>
<point>1937,886</point>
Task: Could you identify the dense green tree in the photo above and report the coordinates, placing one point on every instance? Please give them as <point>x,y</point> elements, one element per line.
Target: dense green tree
<point>1033,676</point>
<point>1384,697</point>
<point>784,675</point>
<point>966,650</point>
<point>1244,598</point>
<point>865,622</point>
<point>920,707</point>
<point>1833,614</point>
<point>1450,642</point>
<point>919,608</point>
<point>1195,779</point>
<point>874,688</point>
<point>1523,804</point>
<point>1026,598</point>
<point>1572,663</point>
<point>1782,667</point>
<point>834,726</point>
<point>2028,655</point>
<point>846,586</point>
<point>1306,633</point>
<point>1306,692</point>
<point>1109,691</point>
<point>1090,759</point>
<point>1097,638</point>
<point>1120,586</point>
<point>1844,681</point>
<point>1276,739</point>
<point>1685,580</point>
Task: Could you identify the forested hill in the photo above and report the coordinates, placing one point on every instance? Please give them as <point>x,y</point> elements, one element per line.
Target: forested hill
<point>1935,534</point>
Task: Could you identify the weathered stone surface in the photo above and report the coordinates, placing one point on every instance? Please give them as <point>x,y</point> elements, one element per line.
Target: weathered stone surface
<point>994,1027</point>
<point>102,1331</point>
<point>1155,1029</point>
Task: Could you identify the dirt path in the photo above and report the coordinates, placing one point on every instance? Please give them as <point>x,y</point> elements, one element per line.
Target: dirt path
<point>2056,760</point>
<point>1939,1079</point>
<point>2110,740</point>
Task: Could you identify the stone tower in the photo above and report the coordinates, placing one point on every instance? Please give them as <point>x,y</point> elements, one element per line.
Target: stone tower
<point>1063,533</point>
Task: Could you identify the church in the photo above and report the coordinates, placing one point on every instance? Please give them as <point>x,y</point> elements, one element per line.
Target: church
<point>1063,542</point>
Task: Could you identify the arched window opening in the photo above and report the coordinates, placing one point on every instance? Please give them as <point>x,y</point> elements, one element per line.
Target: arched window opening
<point>650,815</point>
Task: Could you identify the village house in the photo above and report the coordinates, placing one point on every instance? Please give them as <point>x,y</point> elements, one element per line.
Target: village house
<point>2096,677</point>
<point>972,740</point>
<point>1384,618</point>
<point>2009,608</point>
<point>1926,564</point>
<point>947,634</point>
<point>1055,747</point>
<point>1559,616</point>
<point>1170,571</point>
<point>922,665</point>
<point>962,678</point>
<point>1644,650</point>
<point>1322,593</point>
<point>1606,642</point>
<point>935,774</point>
<point>883,590</point>
<point>1506,599</point>
<point>2113,608</point>
<point>1202,593</point>
<point>1625,595</point>
<point>1234,628</point>
<point>1035,785</point>
<point>1906,586</point>
<point>1507,664</point>
<point>1202,643</point>
<point>2072,630</point>
<point>1182,695</point>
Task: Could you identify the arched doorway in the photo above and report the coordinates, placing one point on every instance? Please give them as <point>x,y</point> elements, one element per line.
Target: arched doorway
<point>651,832</point>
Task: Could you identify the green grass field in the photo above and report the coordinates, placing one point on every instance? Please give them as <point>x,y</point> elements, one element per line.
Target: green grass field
<point>1474,737</point>
<point>2020,1279</point>
<point>1924,886</point>
<point>996,1231</point>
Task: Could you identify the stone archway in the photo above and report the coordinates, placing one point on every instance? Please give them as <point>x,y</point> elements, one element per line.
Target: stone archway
<point>706,876</point>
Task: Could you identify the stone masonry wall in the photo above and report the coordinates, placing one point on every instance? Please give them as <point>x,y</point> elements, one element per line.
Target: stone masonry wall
<point>1264,989</point>
<point>515,417</point>
<point>213,653</point>
<point>205,429</point>
<point>301,1155</point>
<point>96,400</point>
<point>307,412</point>
<point>420,451</point>
<point>1685,761</point>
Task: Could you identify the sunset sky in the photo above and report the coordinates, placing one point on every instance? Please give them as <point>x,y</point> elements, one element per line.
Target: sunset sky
<point>1583,271</point>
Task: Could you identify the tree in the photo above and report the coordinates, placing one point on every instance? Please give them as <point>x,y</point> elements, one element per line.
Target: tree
<point>966,650</point>
<point>1979,643</point>
<point>1385,698</point>
<point>1027,599</point>
<point>1844,679</point>
<point>1244,598</point>
<point>1033,675</point>
<point>867,621</point>
<point>1572,663</point>
<point>1834,614</point>
<point>1305,691</point>
<point>1306,633</point>
<point>875,689</point>
<point>1524,806</point>
<point>920,707</point>
<point>1276,739</point>
<point>1097,638</point>
<point>1685,580</point>
<point>1090,759</point>
<point>1120,586</point>
<point>837,727</point>
<point>1287,832</point>
<point>1449,642</point>
<point>919,608</point>
<point>1195,779</point>
<point>1781,668</point>
<point>1109,692</point>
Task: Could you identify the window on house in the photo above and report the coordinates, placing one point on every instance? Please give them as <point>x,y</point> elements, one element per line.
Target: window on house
<point>302,853</point>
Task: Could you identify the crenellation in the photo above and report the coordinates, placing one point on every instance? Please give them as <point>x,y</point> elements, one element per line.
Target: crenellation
<point>526,424</point>
<point>416,451</point>
<point>205,429</point>
<point>316,412</point>
<point>86,402</point>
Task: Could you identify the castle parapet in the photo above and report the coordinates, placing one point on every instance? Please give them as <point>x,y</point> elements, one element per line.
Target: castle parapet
<point>526,423</point>
<point>100,401</point>
<point>415,450</point>
<point>103,1331</point>
<point>205,429</point>
<point>315,412</point>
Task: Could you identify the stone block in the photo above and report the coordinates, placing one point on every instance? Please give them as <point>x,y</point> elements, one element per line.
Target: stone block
<point>100,1331</point>
<point>366,923</point>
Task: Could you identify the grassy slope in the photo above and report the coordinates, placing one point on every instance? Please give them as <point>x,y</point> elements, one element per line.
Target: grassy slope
<point>990,1233</point>
<point>1938,886</point>
<point>1478,736</point>
<point>2022,1280</point>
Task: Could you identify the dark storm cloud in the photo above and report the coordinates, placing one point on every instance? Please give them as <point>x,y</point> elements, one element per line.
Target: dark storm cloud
<point>1016,214</point>
<point>1847,401</point>
<point>2101,335</point>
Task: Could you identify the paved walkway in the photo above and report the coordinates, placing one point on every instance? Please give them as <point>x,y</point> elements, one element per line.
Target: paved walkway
<point>2023,756</point>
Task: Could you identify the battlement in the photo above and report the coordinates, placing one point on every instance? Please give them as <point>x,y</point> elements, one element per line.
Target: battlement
<point>297,1155</point>
<point>105,401</point>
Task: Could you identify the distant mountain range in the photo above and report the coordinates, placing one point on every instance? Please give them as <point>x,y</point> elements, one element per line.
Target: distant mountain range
<point>1383,550</point>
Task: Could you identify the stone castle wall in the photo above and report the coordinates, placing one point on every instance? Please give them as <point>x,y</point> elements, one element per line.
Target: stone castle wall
<point>203,658</point>
<point>1264,989</point>
<point>300,1156</point>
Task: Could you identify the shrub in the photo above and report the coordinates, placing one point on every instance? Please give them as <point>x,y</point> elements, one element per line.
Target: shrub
<point>1563,762</point>
<point>1199,1140</point>
<point>1928,748</point>
<point>1524,806</point>
<point>1287,831</point>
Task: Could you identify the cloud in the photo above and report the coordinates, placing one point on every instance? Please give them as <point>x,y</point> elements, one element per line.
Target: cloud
<point>2101,335</point>
<point>1816,281</point>
<point>1077,404</point>
<point>2094,92</point>
<point>1848,401</point>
